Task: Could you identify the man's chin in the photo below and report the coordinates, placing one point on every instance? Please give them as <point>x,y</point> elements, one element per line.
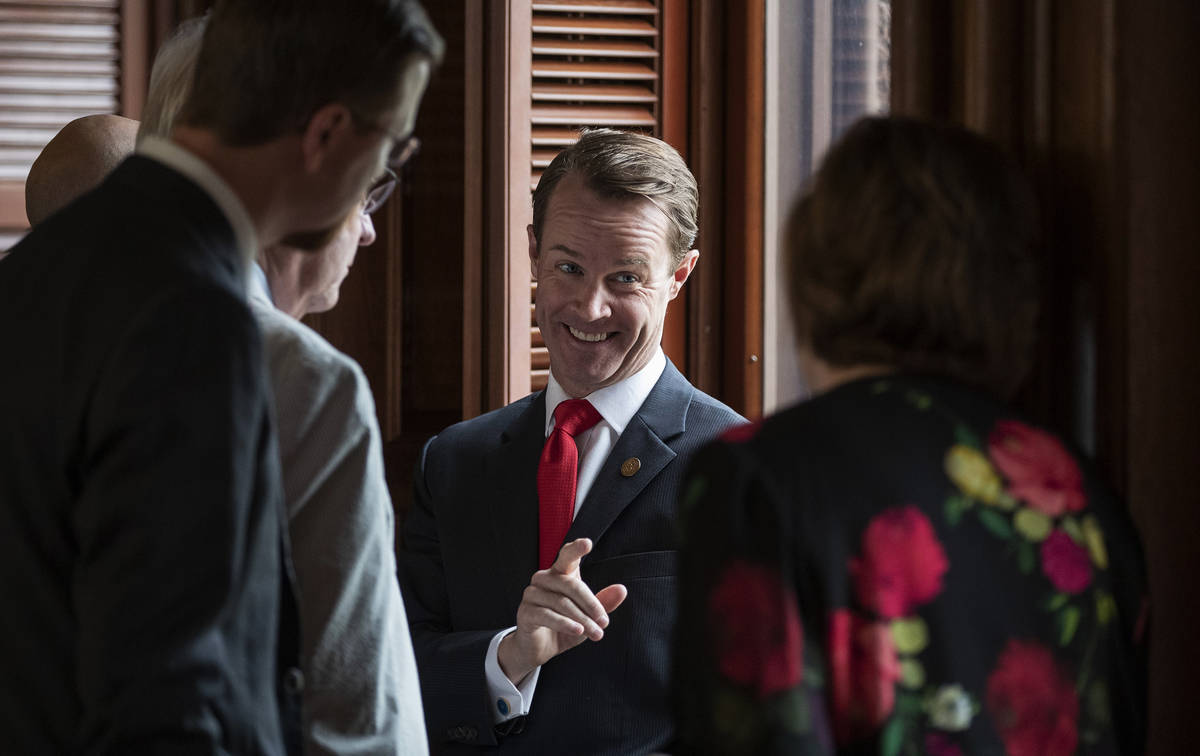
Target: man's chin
<point>311,241</point>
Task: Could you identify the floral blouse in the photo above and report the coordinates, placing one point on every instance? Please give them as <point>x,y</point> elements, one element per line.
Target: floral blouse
<point>903,566</point>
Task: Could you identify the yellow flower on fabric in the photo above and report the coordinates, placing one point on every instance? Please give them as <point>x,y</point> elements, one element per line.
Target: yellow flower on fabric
<point>910,635</point>
<point>912,674</point>
<point>975,476</point>
<point>1032,524</point>
<point>1106,607</point>
<point>1093,538</point>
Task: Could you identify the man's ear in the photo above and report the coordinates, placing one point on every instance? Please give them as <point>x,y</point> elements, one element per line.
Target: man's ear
<point>533,252</point>
<point>323,133</point>
<point>683,271</point>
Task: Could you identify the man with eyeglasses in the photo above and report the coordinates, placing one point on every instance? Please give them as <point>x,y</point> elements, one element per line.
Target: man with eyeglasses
<point>357,679</point>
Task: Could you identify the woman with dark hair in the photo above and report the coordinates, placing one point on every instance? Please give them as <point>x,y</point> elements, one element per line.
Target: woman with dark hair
<point>902,564</point>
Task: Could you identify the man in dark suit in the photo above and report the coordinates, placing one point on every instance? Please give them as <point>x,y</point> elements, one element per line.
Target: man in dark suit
<point>574,486</point>
<point>139,485</point>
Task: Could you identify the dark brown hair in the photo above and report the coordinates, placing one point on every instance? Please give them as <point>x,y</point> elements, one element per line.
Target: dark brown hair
<point>265,66</point>
<point>914,248</point>
<point>622,165</point>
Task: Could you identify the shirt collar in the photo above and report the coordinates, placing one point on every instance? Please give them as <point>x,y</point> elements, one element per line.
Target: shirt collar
<point>257,285</point>
<point>173,156</point>
<point>618,403</point>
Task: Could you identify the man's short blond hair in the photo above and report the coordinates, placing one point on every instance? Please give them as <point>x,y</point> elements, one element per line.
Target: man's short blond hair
<point>624,165</point>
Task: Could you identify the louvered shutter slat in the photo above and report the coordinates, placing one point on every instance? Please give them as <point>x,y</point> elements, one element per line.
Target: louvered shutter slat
<point>593,48</point>
<point>593,93</point>
<point>52,66</point>
<point>554,69</point>
<point>557,138</point>
<point>110,4</point>
<point>631,7</point>
<point>567,115</point>
<point>58,16</point>
<point>600,26</point>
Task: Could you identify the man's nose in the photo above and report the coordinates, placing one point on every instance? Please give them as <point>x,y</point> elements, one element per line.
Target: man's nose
<point>593,301</point>
<point>366,236</point>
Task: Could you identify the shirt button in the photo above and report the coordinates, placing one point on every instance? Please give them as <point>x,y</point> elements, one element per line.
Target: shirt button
<point>503,707</point>
<point>293,681</point>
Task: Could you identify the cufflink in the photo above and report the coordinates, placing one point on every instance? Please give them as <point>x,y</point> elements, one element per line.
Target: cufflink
<point>503,707</point>
<point>630,467</point>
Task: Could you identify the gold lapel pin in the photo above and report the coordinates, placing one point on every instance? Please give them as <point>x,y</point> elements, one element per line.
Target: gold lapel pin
<point>630,467</point>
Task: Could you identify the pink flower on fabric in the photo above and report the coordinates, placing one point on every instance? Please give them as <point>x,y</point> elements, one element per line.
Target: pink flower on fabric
<point>1040,471</point>
<point>1034,707</point>
<point>863,668</point>
<point>756,629</point>
<point>902,563</point>
<point>1066,563</point>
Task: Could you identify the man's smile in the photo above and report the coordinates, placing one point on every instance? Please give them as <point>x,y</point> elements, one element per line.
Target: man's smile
<point>584,336</point>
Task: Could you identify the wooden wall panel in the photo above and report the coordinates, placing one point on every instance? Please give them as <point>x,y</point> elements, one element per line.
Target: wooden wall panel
<point>1158,109</point>
<point>1098,98</point>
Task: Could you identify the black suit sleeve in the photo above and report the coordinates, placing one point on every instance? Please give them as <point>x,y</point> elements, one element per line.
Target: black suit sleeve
<point>453,684</point>
<point>178,574</point>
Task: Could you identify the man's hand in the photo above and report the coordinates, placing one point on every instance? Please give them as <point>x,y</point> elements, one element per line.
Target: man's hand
<point>557,612</point>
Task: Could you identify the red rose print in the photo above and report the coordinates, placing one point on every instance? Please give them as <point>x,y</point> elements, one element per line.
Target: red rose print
<point>1040,471</point>
<point>756,628</point>
<point>1066,563</point>
<point>863,672</point>
<point>902,563</point>
<point>1033,706</point>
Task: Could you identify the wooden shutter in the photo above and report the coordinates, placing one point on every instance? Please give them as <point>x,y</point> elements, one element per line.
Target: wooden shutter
<point>58,60</point>
<point>595,63</point>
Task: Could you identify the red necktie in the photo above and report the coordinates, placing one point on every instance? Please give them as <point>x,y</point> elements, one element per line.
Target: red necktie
<point>556,476</point>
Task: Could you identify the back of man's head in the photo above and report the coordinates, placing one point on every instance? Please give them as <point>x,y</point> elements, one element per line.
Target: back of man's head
<point>75,161</point>
<point>291,57</point>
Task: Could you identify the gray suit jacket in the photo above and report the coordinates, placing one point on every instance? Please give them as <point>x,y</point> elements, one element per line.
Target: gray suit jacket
<point>360,678</point>
<point>470,548</point>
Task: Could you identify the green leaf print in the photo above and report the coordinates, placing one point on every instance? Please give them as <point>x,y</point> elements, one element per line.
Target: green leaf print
<point>967,437</point>
<point>892,739</point>
<point>1068,623</point>
<point>1026,559</point>
<point>997,523</point>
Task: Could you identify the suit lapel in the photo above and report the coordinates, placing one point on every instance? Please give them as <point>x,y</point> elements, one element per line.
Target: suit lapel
<point>514,502</point>
<point>661,417</point>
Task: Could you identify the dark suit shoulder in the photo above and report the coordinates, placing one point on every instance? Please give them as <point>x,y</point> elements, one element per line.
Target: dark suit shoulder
<point>484,431</point>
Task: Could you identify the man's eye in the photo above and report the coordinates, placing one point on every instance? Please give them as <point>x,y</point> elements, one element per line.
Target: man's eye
<point>626,278</point>
<point>569,267</point>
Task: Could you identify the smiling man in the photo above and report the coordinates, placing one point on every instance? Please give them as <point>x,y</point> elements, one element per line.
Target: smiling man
<point>532,524</point>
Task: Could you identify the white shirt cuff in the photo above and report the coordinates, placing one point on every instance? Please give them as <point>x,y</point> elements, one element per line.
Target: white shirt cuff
<point>506,701</point>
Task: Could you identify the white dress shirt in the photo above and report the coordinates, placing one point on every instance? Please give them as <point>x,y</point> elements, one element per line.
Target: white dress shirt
<point>177,158</point>
<point>617,404</point>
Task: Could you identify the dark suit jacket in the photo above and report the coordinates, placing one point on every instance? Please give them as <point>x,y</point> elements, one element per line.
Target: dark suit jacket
<point>139,496</point>
<point>904,565</point>
<point>470,549</point>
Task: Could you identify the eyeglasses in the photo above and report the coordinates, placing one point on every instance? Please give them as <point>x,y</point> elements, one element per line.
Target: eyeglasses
<point>402,151</point>
<point>403,147</point>
<point>380,191</point>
